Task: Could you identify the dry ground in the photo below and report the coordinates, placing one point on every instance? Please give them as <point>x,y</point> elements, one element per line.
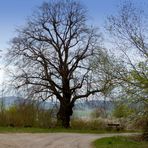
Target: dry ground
<point>50,140</point>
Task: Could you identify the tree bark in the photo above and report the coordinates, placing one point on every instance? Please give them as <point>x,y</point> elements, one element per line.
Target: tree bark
<point>64,113</point>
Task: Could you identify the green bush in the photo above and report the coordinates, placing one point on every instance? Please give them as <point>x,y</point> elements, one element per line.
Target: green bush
<point>2,113</point>
<point>3,119</point>
<point>122,111</point>
<point>44,119</point>
<point>26,114</point>
<point>22,114</point>
<point>88,125</point>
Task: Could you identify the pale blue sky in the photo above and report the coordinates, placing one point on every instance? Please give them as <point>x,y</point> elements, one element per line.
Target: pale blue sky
<point>14,12</point>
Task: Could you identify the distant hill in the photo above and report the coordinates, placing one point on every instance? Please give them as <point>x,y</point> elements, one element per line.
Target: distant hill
<point>92,104</point>
<point>79,105</point>
<point>11,100</point>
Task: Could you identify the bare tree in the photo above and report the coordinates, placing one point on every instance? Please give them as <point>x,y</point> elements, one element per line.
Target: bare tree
<point>129,28</point>
<point>51,55</point>
<point>130,33</point>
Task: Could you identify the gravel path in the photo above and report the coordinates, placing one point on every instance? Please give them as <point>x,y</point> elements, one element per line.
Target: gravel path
<point>50,140</point>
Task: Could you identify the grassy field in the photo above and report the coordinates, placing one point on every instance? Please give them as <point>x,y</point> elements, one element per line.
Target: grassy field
<point>53,130</point>
<point>119,142</point>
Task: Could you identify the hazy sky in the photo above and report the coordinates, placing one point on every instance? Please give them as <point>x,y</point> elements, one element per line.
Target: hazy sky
<point>14,12</point>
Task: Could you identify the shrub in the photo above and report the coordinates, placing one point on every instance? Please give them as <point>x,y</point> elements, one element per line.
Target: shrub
<point>3,119</point>
<point>26,113</point>
<point>22,114</point>
<point>44,118</point>
<point>122,111</point>
<point>88,124</point>
<point>2,113</point>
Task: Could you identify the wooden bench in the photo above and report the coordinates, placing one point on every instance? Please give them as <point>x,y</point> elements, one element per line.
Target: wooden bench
<point>114,125</point>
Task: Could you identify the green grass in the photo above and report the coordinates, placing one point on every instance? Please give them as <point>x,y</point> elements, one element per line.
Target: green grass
<point>46,130</point>
<point>52,130</point>
<point>119,142</point>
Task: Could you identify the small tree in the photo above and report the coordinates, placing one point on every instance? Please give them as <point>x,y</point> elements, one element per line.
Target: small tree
<point>122,111</point>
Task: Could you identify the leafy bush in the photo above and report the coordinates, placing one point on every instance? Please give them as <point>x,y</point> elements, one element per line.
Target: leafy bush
<point>26,114</point>
<point>3,120</point>
<point>89,125</point>
<point>22,114</point>
<point>122,111</point>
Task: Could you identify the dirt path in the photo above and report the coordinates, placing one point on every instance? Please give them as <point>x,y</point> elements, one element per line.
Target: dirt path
<point>50,140</point>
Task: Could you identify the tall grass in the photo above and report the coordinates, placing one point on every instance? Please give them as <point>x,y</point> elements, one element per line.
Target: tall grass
<point>25,114</point>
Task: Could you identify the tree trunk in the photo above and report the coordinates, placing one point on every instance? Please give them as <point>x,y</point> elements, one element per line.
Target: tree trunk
<point>64,113</point>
